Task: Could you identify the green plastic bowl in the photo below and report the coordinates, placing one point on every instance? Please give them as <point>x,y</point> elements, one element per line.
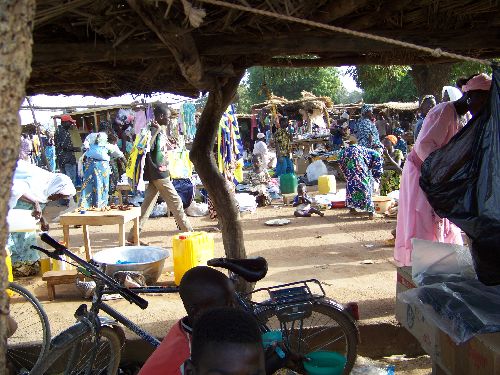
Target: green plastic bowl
<point>325,363</point>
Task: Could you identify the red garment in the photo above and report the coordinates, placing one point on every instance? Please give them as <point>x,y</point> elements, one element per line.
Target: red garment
<point>168,358</point>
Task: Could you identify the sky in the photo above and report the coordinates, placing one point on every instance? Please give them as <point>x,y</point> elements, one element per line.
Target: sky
<point>44,117</point>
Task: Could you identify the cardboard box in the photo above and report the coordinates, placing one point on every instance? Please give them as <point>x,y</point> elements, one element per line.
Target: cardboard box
<point>410,316</point>
<point>478,356</point>
<point>404,280</point>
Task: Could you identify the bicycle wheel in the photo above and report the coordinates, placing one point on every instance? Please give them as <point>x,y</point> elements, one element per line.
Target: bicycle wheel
<point>321,326</point>
<point>96,356</point>
<point>30,340</point>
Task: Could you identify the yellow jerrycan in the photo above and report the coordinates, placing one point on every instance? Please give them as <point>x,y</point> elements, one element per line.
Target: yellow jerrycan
<point>191,249</point>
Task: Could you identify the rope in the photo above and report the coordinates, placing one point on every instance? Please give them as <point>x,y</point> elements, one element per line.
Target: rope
<point>435,52</point>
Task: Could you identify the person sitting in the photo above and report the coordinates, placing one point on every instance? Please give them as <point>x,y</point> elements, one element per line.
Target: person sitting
<point>393,159</point>
<point>260,148</point>
<point>201,288</point>
<point>226,341</point>
<point>304,203</point>
<point>258,178</point>
<point>32,188</point>
<point>360,166</point>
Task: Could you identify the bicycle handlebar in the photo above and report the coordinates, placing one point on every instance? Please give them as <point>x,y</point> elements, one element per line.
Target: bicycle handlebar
<point>110,282</point>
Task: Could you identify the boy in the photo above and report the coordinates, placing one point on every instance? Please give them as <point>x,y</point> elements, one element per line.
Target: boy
<point>201,288</point>
<point>226,342</point>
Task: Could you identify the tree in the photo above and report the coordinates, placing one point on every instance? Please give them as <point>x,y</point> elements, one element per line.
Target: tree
<point>408,83</point>
<point>289,83</point>
<point>384,83</point>
<point>15,67</point>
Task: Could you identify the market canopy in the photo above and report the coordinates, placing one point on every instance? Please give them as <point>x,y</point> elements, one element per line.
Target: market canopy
<point>110,47</point>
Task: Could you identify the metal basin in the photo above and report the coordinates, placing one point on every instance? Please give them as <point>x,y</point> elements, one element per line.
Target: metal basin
<point>148,260</point>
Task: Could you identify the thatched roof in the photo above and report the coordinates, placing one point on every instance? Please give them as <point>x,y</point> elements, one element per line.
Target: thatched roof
<point>308,102</point>
<point>111,47</point>
<point>397,106</point>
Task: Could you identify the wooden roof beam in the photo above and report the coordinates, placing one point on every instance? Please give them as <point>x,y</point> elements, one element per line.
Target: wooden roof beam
<point>179,42</point>
<point>338,9</point>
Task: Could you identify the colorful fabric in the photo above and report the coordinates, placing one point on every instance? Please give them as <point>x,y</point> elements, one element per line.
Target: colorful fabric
<point>188,111</point>
<point>367,134</point>
<point>25,149</point>
<point>389,181</point>
<point>95,186</point>
<point>50,155</point>
<point>284,166</point>
<point>416,218</point>
<point>283,142</point>
<point>393,139</point>
<point>360,166</point>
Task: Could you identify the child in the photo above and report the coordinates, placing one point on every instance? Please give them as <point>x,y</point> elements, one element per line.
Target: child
<point>201,288</point>
<point>303,204</point>
<point>226,341</point>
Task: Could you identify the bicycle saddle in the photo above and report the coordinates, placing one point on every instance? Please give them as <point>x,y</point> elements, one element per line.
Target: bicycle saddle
<point>252,269</point>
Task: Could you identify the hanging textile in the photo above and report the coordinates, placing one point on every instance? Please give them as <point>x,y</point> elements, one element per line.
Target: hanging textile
<point>230,145</point>
<point>140,121</point>
<point>135,162</point>
<point>188,111</point>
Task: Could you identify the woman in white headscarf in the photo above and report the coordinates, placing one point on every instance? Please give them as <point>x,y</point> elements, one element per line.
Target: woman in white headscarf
<point>32,188</point>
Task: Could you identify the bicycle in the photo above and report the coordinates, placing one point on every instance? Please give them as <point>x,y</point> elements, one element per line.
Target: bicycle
<point>309,321</point>
<point>29,338</point>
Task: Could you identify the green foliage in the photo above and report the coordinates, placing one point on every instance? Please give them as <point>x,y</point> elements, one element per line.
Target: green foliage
<point>288,83</point>
<point>465,70</point>
<point>384,83</point>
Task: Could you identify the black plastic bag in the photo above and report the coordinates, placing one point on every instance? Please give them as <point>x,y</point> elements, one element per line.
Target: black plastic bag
<point>462,183</point>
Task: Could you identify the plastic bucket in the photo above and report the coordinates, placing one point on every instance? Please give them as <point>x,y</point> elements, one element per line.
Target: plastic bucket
<point>288,183</point>
<point>325,363</point>
<point>270,337</point>
<point>327,184</point>
<point>381,203</point>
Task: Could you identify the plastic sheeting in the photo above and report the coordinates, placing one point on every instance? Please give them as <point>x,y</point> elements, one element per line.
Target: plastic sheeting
<point>462,183</point>
<point>460,309</point>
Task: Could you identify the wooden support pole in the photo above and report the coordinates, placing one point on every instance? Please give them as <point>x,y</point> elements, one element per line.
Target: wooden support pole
<point>16,22</point>
<point>219,97</point>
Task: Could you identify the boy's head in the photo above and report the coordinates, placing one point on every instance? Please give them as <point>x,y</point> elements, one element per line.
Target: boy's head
<point>301,189</point>
<point>203,288</point>
<point>226,342</point>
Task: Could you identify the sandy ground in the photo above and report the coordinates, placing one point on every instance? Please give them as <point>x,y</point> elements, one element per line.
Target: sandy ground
<point>348,254</point>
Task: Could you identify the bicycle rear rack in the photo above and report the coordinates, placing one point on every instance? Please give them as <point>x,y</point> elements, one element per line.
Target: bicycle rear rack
<point>292,293</point>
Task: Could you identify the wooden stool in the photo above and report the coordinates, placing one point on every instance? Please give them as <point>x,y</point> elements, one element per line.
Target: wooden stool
<point>54,278</point>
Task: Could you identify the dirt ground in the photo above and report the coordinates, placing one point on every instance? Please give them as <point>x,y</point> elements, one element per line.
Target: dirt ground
<point>349,254</point>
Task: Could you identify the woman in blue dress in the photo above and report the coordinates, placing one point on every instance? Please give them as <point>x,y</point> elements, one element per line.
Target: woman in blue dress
<point>361,166</point>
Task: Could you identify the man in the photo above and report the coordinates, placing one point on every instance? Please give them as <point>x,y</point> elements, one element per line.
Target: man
<point>201,288</point>
<point>381,125</point>
<point>226,341</point>
<point>283,144</point>
<point>64,148</point>
<point>428,102</point>
<point>156,172</point>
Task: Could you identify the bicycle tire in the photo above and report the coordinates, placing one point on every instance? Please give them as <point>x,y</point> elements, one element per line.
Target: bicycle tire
<point>24,351</point>
<point>75,356</point>
<point>335,320</point>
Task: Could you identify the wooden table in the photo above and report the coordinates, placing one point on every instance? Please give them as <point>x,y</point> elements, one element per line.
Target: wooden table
<point>89,218</point>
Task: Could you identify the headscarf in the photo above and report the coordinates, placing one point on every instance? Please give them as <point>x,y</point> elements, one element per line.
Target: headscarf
<point>366,108</point>
<point>392,138</point>
<point>479,82</point>
<point>398,132</point>
<point>453,93</point>
<point>261,135</point>
<point>38,183</point>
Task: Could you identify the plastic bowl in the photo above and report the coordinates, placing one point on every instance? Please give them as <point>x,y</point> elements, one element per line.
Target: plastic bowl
<point>272,336</point>
<point>382,203</point>
<point>325,363</point>
<point>148,260</point>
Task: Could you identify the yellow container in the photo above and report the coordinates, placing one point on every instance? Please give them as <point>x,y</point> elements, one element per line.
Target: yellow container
<point>190,250</point>
<point>10,275</point>
<point>327,184</point>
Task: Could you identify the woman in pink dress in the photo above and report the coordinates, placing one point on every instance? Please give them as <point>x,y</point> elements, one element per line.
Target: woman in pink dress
<point>416,218</point>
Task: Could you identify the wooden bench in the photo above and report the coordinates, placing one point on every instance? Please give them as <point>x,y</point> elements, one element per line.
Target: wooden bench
<point>54,278</point>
